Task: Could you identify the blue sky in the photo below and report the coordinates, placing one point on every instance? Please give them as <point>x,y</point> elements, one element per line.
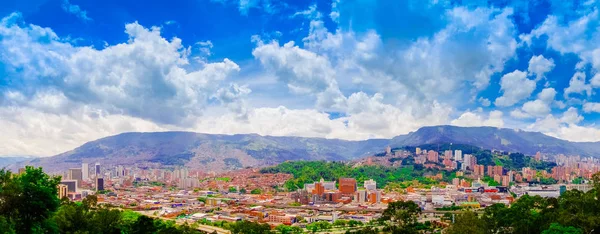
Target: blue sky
<point>74,71</point>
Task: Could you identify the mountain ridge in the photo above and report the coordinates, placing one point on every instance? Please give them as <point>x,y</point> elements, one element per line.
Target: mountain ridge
<point>218,152</point>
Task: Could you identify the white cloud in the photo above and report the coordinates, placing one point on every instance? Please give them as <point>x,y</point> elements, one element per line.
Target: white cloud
<point>578,85</point>
<point>515,87</point>
<point>539,107</point>
<point>517,113</point>
<point>470,119</point>
<point>484,101</point>
<point>147,77</point>
<point>536,108</point>
<point>75,10</point>
<point>595,81</point>
<point>566,127</point>
<point>591,107</point>
<point>538,66</point>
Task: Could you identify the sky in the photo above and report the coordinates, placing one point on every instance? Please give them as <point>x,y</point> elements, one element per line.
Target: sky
<point>73,71</point>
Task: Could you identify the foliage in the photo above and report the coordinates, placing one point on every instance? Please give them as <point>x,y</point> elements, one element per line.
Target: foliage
<point>556,228</point>
<point>467,223</point>
<point>247,227</point>
<point>312,171</point>
<point>401,217</point>
<point>232,189</point>
<point>256,191</point>
<point>319,226</point>
<point>28,199</point>
<point>573,211</point>
<point>285,229</point>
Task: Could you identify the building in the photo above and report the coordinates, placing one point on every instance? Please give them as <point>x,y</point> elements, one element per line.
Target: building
<point>467,162</point>
<point>538,156</point>
<point>76,174</point>
<point>85,171</point>
<point>97,170</point>
<point>99,184</point>
<point>360,196</point>
<point>71,185</point>
<point>448,154</point>
<point>319,189</point>
<point>388,150</point>
<point>432,156</point>
<point>63,191</point>
<point>370,184</point>
<point>457,155</point>
<point>347,185</point>
<point>374,197</point>
<point>418,151</point>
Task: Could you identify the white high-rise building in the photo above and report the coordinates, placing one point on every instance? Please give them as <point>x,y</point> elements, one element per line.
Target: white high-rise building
<point>370,184</point>
<point>466,162</point>
<point>85,171</point>
<point>458,155</point>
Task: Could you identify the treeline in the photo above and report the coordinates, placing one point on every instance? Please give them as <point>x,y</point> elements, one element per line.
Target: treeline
<point>29,203</point>
<point>572,212</point>
<point>312,171</point>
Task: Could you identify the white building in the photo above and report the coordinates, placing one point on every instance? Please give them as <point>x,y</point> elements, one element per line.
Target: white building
<point>458,155</point>
<point>370,184</point>
<point>85,171</point>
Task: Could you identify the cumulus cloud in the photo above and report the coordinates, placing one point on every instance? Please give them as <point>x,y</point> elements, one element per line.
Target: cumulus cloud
<point>578,85</point>
<point>539,66</point>
<point>591,107</point>
<point>566,127</point>
<point>515,87</point>
<point>145,77</point>
<point>539,107</point>
<point>470,119</point>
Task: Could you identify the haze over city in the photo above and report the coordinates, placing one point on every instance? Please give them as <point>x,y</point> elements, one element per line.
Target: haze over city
<point>74,71</point>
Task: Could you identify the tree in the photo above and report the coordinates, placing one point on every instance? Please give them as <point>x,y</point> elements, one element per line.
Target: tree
<point>28,199</point>
<point>467,223</point>
<point>401,216</point>
<point>247,227</point>
<point>232,189</point>
<point>256,191</point>
<point>556,228</point>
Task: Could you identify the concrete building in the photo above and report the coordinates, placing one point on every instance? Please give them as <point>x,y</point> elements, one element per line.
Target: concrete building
<point>347,185</point>
<point>97,171</point>
<point>63,190</point>
<point>370,184</point>
<point>458,155</point>
<point>71,185</point>
<point>85,171</point>
<point>99,184</point>
<point>76,174</point>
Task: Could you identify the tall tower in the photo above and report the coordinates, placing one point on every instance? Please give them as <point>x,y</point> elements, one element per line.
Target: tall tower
<point>97,170</point>
<point>85,171</point>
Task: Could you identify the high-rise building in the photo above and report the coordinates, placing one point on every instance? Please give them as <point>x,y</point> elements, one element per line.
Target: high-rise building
<point>388,150</point>
<point>76,174</point>
<point>418,151</point>
<point>97,171</point>
<point>448,154</point>
<point>99,184</point>
<point>467,162</point>
<point>458,155</point>
<point>62,190</point>
<point>71,185</point>
<point>432,156</point>
<point>347,185</point>
<point>370,184</point>
<point>360,196</point>
<point>538,156</point>
<point>319,189</point>
<point>85,171</point>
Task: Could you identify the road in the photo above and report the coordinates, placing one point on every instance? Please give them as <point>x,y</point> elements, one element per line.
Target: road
<point>380,210</point>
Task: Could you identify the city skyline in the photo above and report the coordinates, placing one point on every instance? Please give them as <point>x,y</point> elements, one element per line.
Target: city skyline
<point>73,72</point>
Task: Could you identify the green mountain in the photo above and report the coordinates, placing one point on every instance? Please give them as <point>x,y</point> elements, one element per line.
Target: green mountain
<point>214,152</point>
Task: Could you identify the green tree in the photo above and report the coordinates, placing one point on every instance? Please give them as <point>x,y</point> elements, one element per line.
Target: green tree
<point>556,228</point>
<point>467,223</point>
<point>29,199</point>
<point>401,216</point>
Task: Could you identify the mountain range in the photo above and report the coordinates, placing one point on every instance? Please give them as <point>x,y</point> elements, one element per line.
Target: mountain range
<point>215,152</point>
